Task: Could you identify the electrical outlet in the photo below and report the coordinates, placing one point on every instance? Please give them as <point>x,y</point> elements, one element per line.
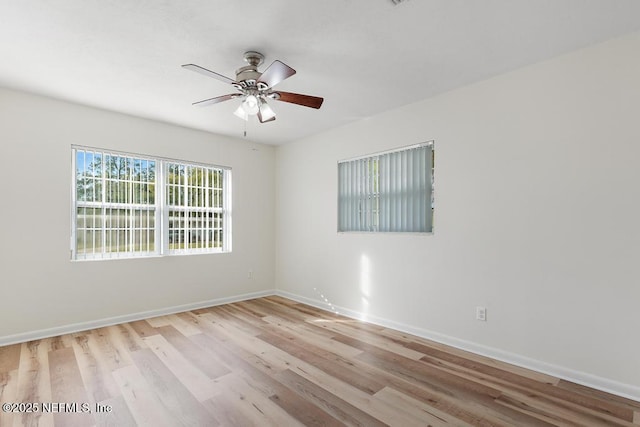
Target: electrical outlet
<point>481,313</point>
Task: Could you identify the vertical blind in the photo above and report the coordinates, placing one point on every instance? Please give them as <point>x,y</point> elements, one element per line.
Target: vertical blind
<point>388,192</point>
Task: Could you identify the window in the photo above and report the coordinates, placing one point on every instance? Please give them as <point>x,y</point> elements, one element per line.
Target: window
<point>387,192</point>
<point>127,205</point>
<point>194,207</point>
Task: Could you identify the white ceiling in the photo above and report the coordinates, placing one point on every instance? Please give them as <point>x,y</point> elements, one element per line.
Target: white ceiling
<point>362,56</point>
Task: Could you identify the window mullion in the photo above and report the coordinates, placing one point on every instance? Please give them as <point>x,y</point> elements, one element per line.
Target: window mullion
<point>185,207</point>
<point>161,215</point>
<point>132,218</point>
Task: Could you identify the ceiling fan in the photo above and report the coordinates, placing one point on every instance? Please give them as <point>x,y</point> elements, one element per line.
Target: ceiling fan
<point>255,88</point>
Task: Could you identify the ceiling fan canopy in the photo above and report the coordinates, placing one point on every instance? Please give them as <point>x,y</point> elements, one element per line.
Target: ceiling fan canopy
<point>255,88</point>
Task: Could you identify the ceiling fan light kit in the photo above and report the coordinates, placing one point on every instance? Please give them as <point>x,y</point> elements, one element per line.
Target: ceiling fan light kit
<point>255,88</point>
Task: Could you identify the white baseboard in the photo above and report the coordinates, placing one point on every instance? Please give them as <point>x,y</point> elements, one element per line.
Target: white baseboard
<point>93,324</point>
<point>610,386</point>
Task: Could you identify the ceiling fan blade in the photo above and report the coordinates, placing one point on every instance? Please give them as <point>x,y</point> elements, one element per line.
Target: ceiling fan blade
<point>266,114</point>
<point>296,98</point>
<point>275,73</point>
<point>215,100</point>
<point>209,73</point>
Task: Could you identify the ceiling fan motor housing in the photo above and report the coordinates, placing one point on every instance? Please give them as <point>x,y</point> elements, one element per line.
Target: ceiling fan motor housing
<point>248,75</point>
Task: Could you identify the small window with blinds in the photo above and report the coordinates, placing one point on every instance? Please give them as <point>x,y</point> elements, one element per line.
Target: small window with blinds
<point>126,205</point>
<point>387,192</point>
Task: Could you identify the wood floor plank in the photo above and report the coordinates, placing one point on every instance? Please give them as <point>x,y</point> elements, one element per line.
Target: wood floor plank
<point>311,336</point>
<point>248,324</point>
<point>439,398</point>
<point>303,411</point>
<point>34,384</point>
<point>304,312</point>
<point>503,381</point>
<point>145,406</point>
<point>9,358</point>
<point>238,358</point>
<point>260,352</point>
<point>555,414</point>
<point>225,413</point>
<point>600,395</point>
<point>196,355</point>
<point>9,386</point>
<point>416,370</point>
<point>262,307</point>
<point>372,338</point>
<point>354,396</point>
<point>126,337</point>
<point>217,349</point>
<point>441,380</point>
<point>8,394</point>
<point>68,389</point>
<point>185,323</point>
<point>471,412</point>
<point>380,410</point>
<point>444,400</point>
<point>108,350</point>
<point>502,376</point>
<point>435,349</point>
<point>276,362</point>
<point>157,322</point>
<point>516,392</point>
<point>200,386</point>
<point>330,363</point>
<point>330,403</point>
<point>175,397</point>
<point>143,328</point>
<point>117,414</point>
<point>249,398</point>
<point>60,342</point>
<point>421,412</point>
<point>95,374</point>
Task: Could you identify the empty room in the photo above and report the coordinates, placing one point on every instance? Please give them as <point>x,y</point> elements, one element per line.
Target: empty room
<point>349,212</point>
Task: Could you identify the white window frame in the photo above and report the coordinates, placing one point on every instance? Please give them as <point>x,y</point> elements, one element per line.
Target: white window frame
<point>160,207</point>
<point>372,199</point>
<point>218,212</point>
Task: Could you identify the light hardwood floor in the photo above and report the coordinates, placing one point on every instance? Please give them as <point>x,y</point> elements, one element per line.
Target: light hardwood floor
<point>275,362</point>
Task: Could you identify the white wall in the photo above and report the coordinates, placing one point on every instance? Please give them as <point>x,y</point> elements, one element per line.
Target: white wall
<point>537,218</point>
<point>41,288</point>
